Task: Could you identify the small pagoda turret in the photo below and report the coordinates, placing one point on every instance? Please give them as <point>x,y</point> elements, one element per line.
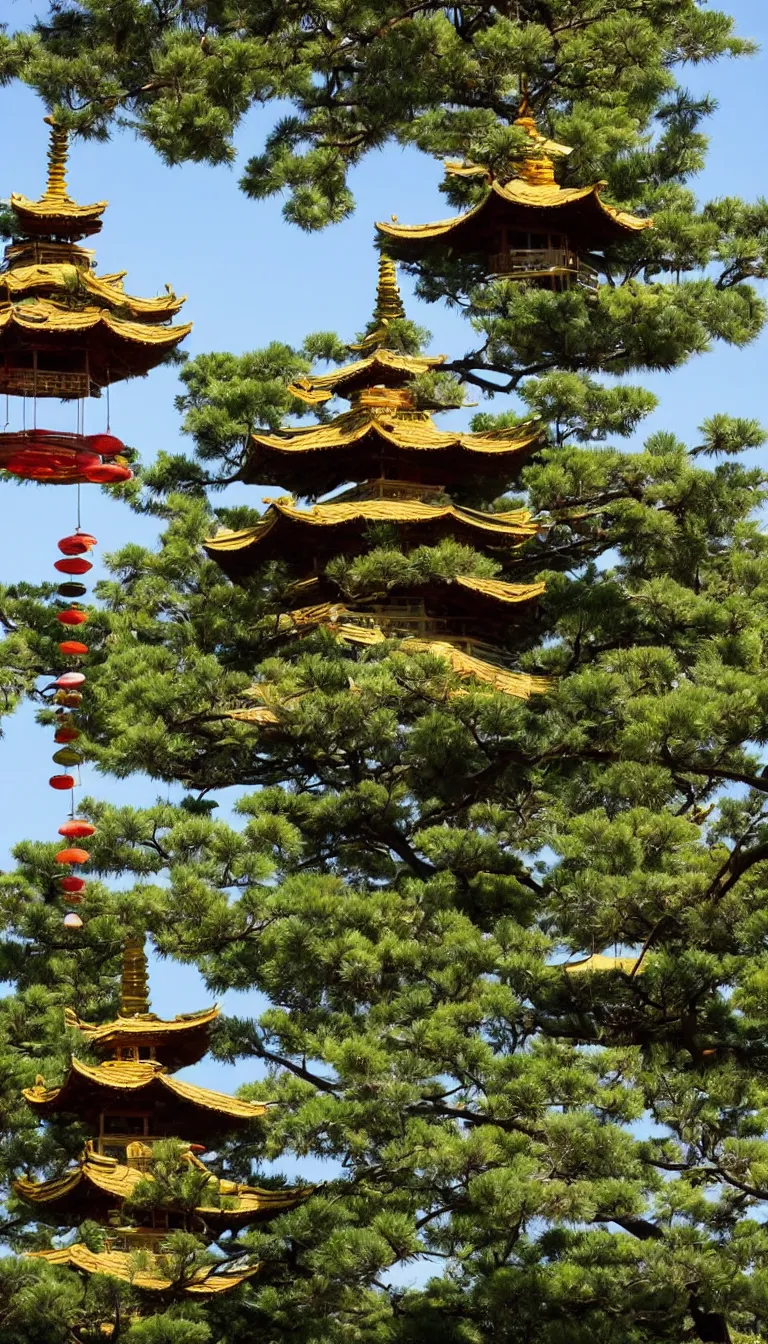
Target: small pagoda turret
<point>526,227</point>
<point>400,470</point>
<point>64,331</point>
<point>129,1100</point>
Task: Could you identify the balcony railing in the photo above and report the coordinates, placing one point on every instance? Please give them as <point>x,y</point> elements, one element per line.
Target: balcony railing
<point>545,263</point>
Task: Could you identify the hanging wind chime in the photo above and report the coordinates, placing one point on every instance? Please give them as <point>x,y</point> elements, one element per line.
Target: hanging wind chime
<point>66,333</point>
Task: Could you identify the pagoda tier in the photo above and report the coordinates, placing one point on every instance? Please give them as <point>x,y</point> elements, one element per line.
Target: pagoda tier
<point>99,1186</point>
<point>402,467</point>
<point>175,1044</point>
<point>385,435</point>
<point>152,1277</point>
<point>437,609</point>
<point>526,227</point>
<point>129,1101</point>
<point>303,537</point>
<point>65,332</point>
<point>124,1100</point>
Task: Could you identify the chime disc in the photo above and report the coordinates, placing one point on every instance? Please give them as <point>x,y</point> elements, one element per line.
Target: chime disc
<point>67,756</point>
<point>73,565</point>
<point>72,885</point>
<point>77,544</point>
<point>73,855</point>
<point>66,735</point>
<point>73,648</point>
<point>72,921</point>
<point>71,589</point>
<point>69,680</point>
<point>77,829</point>
<point>62,781</point>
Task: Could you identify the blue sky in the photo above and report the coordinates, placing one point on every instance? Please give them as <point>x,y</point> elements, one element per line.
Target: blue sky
<point>250,279</point>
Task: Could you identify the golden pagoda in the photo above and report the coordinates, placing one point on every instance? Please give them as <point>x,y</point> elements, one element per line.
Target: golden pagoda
<point>64,331</point>
<point>527,227</point>
<point>129,1100</point>
<point>402,468</point>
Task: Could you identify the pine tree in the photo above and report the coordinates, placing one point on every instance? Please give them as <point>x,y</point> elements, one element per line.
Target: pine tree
<point>577,1154</point>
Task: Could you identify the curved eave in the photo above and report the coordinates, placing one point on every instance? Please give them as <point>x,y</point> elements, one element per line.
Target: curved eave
<point>543,203</point>
<point>86,1080</point>
<point>352,448</point>
<point>383,362</point>
<point>241,553</point>
<point>103,1176</point>
<point>45,317</point>
<point>57,215</point>
<point>27,281</point>
<point>146,1025</point>
<point>121,1265</point>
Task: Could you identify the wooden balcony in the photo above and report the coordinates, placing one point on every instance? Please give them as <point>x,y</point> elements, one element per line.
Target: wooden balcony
<point>556,268</point>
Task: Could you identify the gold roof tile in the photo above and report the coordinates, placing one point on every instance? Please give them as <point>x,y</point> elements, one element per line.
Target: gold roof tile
<point>145,1024</point>
<point>122,1265</point>
<point>129,1076</point>
<point>107,1175</point>
<point>407,432</point>
<point>529,196</point>
<point>521,685</point>
<point>376,367</point>
<point>599,962</point>
<point>23,281</point>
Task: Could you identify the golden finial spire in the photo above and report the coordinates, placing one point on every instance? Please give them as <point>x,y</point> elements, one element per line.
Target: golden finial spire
<point>134,984</point>
<point>389,307</point>
<point>56,186</point>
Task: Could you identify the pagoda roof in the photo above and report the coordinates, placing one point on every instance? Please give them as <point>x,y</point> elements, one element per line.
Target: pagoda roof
<point>495,597</point>
<point>384,366</point>
<point>65,279</point>
<point>183,1039</point>
<point>116,347</point>
<point>579,212</point>
<point>470,667</point>
<point>356,445</point>
<point>88,1087</point>
<point>122,1265</point>
<point>599,962</point>
<point>102,1180</point>
<point>294,534</point>
<point>55,213</point>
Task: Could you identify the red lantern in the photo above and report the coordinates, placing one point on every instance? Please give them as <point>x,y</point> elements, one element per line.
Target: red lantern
<point>72,616</point>
<point>62,781</point>
<point>66,735</point>
<point>108,473</point>
<point>73,648</point>
<point>74,900</point>
<point>72,885</point>
<point>69,680</point>
<point>72,856</point>
<point>75,565</point>
<point>77,544</point>
<point>77,829</point>
<point>104,444</point>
